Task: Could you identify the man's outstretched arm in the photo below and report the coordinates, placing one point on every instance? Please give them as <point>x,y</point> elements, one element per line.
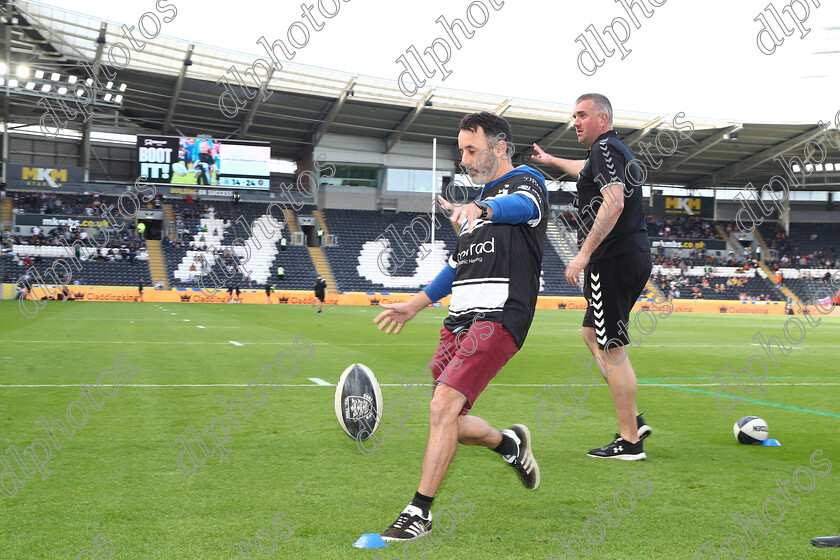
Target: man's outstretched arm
<point>569,166</point>
<point>396,314</point>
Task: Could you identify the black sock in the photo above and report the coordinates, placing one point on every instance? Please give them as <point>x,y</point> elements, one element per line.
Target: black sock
<point>423,502</point>
<point>508,446</point>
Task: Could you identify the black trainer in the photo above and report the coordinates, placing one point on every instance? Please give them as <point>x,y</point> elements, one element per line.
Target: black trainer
<point>620,449</point>
<point>523,461</point>
<point>409,525</point>
<point>644,429</point>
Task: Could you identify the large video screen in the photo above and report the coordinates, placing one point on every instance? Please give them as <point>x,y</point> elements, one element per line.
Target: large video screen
<point>175,160</point>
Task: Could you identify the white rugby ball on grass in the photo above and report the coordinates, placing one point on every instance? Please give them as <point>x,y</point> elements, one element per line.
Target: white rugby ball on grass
<point>750,430</point>
<point>358,402</point>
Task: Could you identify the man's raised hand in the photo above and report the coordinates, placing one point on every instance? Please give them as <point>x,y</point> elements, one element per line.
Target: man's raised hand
<point>541,156</point>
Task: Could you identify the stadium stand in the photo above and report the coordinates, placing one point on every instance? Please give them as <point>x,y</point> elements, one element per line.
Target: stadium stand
<point>805,260</point>
<point>107,258</point>
<point>355,261</point>
<point>815,243</point>
<point>809,245</point>
<point>745,283</point>
<point>686,227</point>
<point>117,273</point>
<point>107,154</point>
<point>553,280</point>
<point>811,288</point>
<point>204,231</point>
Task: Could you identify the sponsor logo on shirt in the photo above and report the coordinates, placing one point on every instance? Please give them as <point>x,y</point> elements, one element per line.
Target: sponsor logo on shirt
<point>476,251</point>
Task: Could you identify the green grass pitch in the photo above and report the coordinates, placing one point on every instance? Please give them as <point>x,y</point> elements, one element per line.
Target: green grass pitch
<point>118,479</point>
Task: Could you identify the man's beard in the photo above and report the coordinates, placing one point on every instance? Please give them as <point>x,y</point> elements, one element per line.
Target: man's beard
<point>484,172</point>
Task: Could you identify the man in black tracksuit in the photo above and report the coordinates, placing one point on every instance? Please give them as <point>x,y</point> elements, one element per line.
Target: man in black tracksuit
<point>614,258</point>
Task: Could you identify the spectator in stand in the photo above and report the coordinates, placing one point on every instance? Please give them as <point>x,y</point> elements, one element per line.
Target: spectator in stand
<point>684,227</point>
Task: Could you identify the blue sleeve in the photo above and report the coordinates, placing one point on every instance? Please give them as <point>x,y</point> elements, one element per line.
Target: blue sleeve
<point>512,209</point>
<point>441,286</point>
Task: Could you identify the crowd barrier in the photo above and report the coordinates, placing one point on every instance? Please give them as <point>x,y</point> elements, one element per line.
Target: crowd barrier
<point>291,297</point>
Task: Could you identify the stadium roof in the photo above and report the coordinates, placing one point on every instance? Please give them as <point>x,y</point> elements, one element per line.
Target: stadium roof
<point>172,89</point>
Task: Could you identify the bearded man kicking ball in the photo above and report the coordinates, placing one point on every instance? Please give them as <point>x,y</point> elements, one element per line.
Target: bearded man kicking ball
<point>494,278</point>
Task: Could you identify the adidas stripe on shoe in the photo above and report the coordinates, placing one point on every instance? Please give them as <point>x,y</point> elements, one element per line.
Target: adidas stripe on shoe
<point>523,461</point>
<point>409,525</point>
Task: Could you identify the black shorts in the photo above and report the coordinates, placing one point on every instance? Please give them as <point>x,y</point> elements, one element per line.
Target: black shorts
<point>319,296</point>
<point>611,287</point>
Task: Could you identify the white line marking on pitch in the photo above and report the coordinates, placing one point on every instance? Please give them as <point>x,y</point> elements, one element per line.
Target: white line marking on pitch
<point>199,326</point>
<point>794,347</point>
<point>319,381</point>
<point>236,343</point>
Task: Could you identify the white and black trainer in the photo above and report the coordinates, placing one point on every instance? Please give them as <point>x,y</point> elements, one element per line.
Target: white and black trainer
<point>620,449</point>
<point>409,525</point>
<point>523,461</point>
<point>644,429</point>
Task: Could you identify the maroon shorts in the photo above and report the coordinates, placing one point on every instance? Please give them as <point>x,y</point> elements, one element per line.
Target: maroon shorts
<point>468,360</point>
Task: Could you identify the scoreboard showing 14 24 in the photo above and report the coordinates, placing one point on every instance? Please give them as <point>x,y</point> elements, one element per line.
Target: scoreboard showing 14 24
<point>242,182</point>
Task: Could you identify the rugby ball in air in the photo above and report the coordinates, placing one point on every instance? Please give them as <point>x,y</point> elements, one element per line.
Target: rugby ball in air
<point>358,402</point>
<point>179,169</point>
<point>750,430</point>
